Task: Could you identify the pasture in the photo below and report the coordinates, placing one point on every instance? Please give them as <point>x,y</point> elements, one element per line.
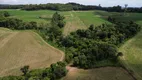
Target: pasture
<point>132,51</point>
<point>20,48</point>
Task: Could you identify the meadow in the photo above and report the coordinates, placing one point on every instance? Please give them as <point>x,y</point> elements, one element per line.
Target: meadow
<point>20,48</point>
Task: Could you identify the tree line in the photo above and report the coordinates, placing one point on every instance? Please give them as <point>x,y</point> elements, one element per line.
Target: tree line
<point>54,72</point>
<point>70,6</point>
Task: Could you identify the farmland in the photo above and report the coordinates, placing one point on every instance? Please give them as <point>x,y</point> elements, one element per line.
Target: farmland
<point>74,19</point>
<point>107,73</point>
<point>132,55</point>
<point>38,54</point>
<point>20,48</point>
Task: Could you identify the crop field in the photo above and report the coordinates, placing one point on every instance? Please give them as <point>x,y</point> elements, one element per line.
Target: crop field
<point>107,73</point>
<point>20,48</point>
<point>74,19</point>
<point>121,16</point>
<point>41,16</point>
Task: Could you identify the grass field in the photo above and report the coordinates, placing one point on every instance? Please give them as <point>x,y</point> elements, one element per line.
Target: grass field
<point>107,73</point>
<point>74,19</point>
<point>31,15</point>
<point>120,16</point>
<point>20,48</point>
<point>132,51</point>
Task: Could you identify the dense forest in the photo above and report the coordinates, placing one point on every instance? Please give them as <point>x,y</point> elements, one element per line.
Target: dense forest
<point>83,48</point>
<point>70,7</point>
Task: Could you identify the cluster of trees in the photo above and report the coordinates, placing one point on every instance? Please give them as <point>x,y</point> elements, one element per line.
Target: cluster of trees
<point>87,47</point>
<point>70,6</point>
<point>53,33</point>
<point>4,14</point>
<point>54,72</point>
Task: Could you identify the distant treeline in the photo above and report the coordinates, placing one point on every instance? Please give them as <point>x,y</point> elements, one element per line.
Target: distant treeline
<point>69,7</point>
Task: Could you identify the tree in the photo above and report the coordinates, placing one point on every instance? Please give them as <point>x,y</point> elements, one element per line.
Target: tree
<point>25,69</point>
<point>6,14</point>
<point>91,27</point>
<point>119,54</point>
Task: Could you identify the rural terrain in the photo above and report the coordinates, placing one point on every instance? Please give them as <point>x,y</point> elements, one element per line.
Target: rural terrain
<point>25,47</point>
<point>20,48</point>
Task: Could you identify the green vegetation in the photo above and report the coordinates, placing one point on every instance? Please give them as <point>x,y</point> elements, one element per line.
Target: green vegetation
<point>88,17</point>
<point>132,55</point>
<point>91,47</point>
<point>120,16</point>
<point>54,72</point>
<point>41,16</point>
<point>74,20</point>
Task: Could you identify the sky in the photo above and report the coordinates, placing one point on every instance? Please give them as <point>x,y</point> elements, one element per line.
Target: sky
<point>105,3</point>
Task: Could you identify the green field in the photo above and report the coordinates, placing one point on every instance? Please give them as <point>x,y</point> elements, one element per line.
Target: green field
<point>31,15</point>
<point>121,16</point>
<point>132,50</point>
<point>74,19</point>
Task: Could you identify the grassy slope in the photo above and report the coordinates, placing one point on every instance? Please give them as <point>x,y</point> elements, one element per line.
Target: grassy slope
<point>132,58</point>
<point>81,20</point>
<point>107,73</point>
<point>31,15</point>
<point>89,17</point>
<point>20,48</point>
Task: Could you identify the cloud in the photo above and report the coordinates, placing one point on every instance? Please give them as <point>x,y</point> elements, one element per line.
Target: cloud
<point>8,1</point>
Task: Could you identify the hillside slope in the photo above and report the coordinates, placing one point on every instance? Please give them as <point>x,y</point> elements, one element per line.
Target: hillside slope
<point>20,48</point>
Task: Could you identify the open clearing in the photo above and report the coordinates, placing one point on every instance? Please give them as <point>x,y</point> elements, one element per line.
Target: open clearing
<point>107,73</point>
<point>20,48</point>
